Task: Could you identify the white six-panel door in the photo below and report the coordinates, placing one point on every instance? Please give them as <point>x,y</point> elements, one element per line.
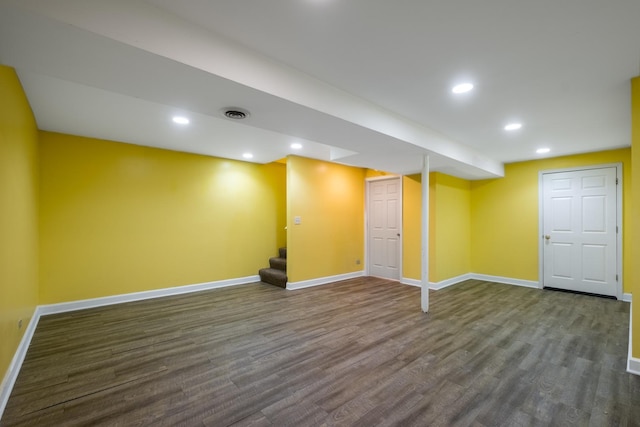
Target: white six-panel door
<point>579,231</point>
<point>384,226</point>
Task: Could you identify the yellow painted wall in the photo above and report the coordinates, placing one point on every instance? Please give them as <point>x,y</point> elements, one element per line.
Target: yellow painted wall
<point>504,216</point>
<point>18,215</point>
<point>632,271</point>
<point>449,227</point>
<point>412,226</point>
<point>117,218</point>
<point>452,215</point>
<point>329,198</point>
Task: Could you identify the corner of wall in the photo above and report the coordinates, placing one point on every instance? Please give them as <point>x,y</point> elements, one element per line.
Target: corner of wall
<point>329,200</point>
<point>19,259</point>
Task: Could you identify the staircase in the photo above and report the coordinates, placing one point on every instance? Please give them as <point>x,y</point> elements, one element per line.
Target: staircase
<point>276,274</point>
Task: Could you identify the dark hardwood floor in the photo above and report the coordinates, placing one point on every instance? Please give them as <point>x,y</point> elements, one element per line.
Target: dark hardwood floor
<point>358,352</point>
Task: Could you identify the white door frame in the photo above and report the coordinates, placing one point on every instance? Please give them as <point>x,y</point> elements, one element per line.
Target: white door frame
<point>366,221</point>
<point>618,166</point>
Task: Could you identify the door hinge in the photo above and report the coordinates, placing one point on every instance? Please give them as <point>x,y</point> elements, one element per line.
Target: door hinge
<point>616,277</point>
<point>616,181</point>
<point>616,229</point>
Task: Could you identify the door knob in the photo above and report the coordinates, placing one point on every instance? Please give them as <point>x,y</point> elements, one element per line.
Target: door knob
<point>547,236</point>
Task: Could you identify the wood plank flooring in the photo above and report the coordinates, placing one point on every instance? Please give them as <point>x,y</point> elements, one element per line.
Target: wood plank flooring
<point>353,353</point>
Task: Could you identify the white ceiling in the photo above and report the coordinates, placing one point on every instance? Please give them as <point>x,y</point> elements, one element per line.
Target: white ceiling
<point>361,82</point>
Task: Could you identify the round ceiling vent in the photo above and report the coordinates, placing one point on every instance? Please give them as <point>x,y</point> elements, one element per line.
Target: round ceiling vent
<point>235,113</point>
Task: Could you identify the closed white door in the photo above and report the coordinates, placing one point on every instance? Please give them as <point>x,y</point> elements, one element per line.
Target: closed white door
<point>384,224</point>
<point>580,226</point>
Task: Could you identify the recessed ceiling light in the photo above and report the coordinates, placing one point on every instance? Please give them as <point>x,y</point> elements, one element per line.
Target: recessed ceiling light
<point>247,156</point>
<point>513,126</point>
<point>181,120</point>
<point>462,88</point>
<point>543,150</point>
<point>296,146</point>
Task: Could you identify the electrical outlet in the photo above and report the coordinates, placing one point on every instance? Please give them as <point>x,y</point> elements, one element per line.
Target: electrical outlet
<point>20,324</point>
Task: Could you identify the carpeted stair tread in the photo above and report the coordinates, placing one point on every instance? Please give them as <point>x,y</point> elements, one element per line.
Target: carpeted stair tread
<point>273,277</point>
<point>276,274</point>
<point>278,263</point>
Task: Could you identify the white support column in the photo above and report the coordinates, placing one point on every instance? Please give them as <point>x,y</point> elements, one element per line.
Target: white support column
<point>424,285</point>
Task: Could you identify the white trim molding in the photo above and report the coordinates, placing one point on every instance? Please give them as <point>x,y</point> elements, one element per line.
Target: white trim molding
<point>139,296</point>
<point>436,286</point>
<point>292,286</point>
<point>411,282</point>
<point>506,280</point>
<point>16,363</point>
<point>633,363</point>
<point>42,310</point>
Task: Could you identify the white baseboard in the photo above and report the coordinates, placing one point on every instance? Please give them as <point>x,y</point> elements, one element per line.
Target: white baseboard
<point>506,280</point>
<point>411,282</point>
<point>42,310</point>
<point>432,285</point>
<point>633,363</point>
<point>450,282</point>
<point>16,363</point>
<point>436,286</point>
<point>291,286</point>
<point>139,296</point>
<point>633,366</point>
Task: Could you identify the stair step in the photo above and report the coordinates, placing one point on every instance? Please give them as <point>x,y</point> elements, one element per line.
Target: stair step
<point>278,263</point>
<point>283,253</point>
<point>273,276</point>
